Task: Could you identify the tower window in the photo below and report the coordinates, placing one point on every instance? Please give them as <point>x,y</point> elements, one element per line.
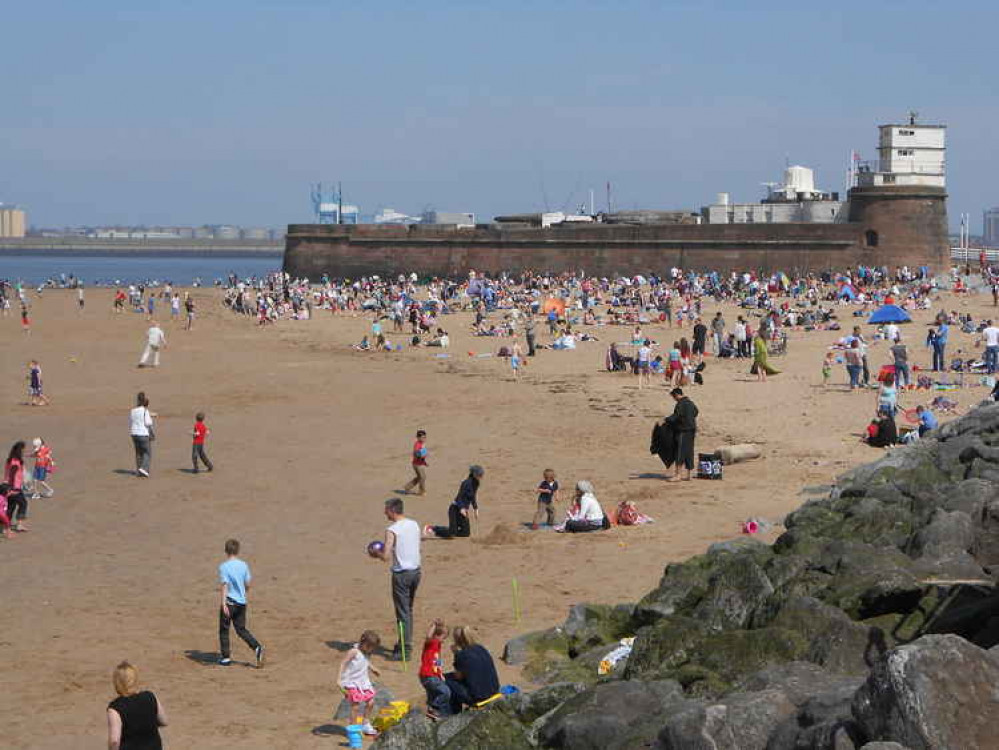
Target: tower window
<point>871,238</point>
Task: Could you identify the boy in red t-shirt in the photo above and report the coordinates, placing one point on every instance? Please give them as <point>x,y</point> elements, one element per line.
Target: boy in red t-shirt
<point>432,672</point>
<point>419,464</point>
<point>198,448</point>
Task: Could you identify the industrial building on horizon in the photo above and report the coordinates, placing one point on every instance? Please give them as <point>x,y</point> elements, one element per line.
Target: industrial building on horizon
<point>205,232</point>
<point>990,227</point>
<point>13,221</point>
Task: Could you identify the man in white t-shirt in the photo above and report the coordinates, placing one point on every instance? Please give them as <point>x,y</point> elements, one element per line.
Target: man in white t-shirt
<point>990,335</point>
<point>155,340</point>
<point>402,551</point>
<point>891,333</point>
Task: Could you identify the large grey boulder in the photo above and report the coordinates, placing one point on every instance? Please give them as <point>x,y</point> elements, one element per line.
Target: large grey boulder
<point>489,729</point>
<point>737,588</point>
<point>937,693</point>
<point>414,732</point>
<point>743,721</point>
<point>611,716</point>
<point>884,746</point>
<point>947,533</point>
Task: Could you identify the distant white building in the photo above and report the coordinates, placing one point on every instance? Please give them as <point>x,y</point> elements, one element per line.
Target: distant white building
<point>794,201</point>
<point>391,216</point>
<point>448,217</point>
<point>911,154</point>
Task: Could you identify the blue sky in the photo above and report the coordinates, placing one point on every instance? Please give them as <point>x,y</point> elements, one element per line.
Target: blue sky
<point>224,112</point>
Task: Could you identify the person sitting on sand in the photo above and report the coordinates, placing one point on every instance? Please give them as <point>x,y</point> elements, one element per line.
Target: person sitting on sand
<point>474,678</point>
<point>441,339</point>
<point>585,514</point>
<point>882,431</point>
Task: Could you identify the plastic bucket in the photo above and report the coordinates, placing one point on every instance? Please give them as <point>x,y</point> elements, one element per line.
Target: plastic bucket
<point>355,735</point>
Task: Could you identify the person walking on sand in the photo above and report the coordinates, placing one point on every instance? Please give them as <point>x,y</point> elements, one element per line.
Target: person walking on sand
<point>234,583</point>
<point>402,552</point>
<point>419,463</point>
<point>189,309</point>
<point>140,427</point>
<point>155,340</point>
<point>199,434</point>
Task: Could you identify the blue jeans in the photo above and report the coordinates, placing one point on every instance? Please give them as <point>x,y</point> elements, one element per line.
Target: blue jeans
<point>854,372</point>
<point>902,374</point>
<point>991,357</point>
<point>938,358</point>
<point>438,695</point>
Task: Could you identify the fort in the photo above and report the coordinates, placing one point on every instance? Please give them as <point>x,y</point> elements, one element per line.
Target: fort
<point>895,214</point>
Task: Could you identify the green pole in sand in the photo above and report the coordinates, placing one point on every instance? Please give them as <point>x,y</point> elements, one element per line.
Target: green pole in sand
<point>402,647</point>
<point>516,600</point>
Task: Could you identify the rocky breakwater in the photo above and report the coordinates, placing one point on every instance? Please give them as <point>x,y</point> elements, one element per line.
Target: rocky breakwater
<point>871,623</point>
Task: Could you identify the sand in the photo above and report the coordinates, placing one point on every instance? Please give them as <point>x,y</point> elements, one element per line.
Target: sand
<point>309,438</point>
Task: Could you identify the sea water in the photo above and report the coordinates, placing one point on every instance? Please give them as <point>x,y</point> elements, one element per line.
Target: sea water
<point>109,269</point>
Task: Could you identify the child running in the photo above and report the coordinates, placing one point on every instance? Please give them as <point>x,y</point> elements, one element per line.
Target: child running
<point>432,672</point>
<point>547,497</point>
<point>199,434</point>
<point>35,395</point>
<point>44,465</point>
<point>355,680</point>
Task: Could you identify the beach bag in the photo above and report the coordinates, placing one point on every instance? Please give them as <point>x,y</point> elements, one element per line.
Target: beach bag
<point>709,466</point>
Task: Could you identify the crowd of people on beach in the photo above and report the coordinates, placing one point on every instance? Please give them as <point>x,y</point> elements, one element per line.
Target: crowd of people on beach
<point>511,308</point>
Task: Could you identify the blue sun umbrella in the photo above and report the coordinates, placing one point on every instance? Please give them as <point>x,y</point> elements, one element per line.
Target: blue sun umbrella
<point>889,314</point>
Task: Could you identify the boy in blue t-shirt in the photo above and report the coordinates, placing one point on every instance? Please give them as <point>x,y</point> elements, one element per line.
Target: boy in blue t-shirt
<point>927,420</point>
<point>234,580</point>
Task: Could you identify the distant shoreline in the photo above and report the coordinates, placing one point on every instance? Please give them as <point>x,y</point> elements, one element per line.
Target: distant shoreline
<point>76,246</point>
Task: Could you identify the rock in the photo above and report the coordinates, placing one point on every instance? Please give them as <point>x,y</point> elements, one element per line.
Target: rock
<point>383,696</point>
<point>867,580</point>
<point>987,542</point>
<point>611,716</point>
<point>737,587</point>
<point>947,533</point>
<point>520,648</point>
<point>590,625</point>
<point>665,646</point>
<point>823,720</point>
<point>743,721</point>
<point>834,640</point>
<point>414,732</point>
<point>488,729</point>
<point>883,746</point>
<point>798,680</point>
<point>937,692</point>
<point>678,592</point>
<point>740,545</point>
<point>529,707</point>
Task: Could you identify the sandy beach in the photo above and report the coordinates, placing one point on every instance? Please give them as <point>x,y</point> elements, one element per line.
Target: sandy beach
<point>309,438</point>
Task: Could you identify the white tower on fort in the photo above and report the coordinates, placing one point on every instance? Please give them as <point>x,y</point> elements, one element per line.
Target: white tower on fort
<point>910,155</point>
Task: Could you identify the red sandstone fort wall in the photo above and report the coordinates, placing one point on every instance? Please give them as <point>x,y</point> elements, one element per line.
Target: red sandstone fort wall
<point>888,226</point>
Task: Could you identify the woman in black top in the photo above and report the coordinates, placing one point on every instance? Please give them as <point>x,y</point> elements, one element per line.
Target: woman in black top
<point>465,502</point>
<point>134,717</point>
<point>474,678</point>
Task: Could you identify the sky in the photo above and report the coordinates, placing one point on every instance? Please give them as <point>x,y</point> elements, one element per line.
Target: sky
<point>223,112</point>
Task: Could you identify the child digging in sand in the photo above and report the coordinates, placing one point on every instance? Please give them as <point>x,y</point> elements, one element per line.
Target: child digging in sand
<point>355,681</point>
<point>547,497</point>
